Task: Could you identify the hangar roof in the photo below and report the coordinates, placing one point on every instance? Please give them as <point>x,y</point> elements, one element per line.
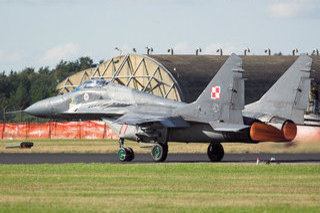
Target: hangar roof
<point>194,72</point>
<point>183,77</point>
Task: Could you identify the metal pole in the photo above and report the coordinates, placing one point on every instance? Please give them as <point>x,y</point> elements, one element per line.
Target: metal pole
<point>4,115</point>
<point>315,51</point>
<point>79,128</point>
<point>170,50</point>
<point>20,115</point>
<point>268,51</point>
<point>246,50</point>
<point>50,128</point>
<point>104,130</point>
<point>294,51</point>
<point>198,50</point>
<point>4,122</point>
<point>26,123</point>
<point>220,51</point>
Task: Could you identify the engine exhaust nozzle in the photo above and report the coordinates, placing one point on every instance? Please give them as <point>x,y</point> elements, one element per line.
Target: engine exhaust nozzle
<point>263,132</point>
<point>289,131</point>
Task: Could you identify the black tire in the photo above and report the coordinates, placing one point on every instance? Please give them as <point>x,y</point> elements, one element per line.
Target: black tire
<point>159,152</point>
<point>215,152</point>
<point>126,154</point>
<point>130,154</point>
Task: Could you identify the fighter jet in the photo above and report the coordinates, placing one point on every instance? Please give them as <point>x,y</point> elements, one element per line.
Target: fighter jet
<point>215,117</point>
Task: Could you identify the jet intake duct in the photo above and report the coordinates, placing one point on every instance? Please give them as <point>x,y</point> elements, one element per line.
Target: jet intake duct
<point>276,130</point>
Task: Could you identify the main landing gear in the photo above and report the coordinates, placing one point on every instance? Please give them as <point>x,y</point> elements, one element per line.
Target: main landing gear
<point>159,152</point>
<point>215,152</point>
<point>125,153</point>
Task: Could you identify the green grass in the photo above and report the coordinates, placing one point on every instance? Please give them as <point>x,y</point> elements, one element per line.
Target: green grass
<point>199,187</point>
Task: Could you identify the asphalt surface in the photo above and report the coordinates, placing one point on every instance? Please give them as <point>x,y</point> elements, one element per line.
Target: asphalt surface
<point>38,158</point>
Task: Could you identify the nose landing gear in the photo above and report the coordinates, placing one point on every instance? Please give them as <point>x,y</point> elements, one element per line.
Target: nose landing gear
<point>125,154</point>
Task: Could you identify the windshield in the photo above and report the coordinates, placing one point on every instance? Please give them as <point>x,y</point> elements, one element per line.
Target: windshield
<point>92,83</point>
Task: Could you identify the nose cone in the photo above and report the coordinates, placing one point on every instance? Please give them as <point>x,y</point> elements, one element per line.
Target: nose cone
<point>40,109</point>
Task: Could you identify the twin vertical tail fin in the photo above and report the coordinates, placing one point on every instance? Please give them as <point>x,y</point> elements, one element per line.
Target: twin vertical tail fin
<point>288,97</point>
<point>222,101</point>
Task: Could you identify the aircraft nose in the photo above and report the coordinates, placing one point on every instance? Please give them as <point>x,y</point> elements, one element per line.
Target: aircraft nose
<point>40,109</point>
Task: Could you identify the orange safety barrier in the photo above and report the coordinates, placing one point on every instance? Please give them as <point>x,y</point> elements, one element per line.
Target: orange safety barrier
<point>57,130</point>
<point>94,130</point>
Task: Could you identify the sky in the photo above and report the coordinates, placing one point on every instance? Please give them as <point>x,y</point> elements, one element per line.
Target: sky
<point>35,33</point>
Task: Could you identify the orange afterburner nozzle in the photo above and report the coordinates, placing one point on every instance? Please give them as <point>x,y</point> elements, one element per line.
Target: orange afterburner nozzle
<point>289,131</point>
<point>264,132</point>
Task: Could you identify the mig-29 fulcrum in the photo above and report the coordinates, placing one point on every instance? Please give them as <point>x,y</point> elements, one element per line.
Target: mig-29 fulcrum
<point>215,117</point>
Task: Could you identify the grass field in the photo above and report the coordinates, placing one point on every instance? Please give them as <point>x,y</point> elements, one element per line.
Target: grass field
<point>159,188</point>
<point>111,146</point>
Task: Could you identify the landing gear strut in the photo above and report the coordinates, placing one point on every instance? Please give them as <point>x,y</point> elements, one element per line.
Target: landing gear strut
<point>159,152</point>
<point>125,154</point>
<point>215,152</point>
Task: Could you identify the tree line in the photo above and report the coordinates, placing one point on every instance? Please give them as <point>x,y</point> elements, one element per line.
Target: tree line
<point>20,89</point>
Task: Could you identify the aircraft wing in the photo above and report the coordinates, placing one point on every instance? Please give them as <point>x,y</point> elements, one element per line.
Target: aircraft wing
<point>134,118</point>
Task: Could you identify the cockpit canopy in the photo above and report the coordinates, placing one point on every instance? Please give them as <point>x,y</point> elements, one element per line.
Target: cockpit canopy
<point>91,83</point>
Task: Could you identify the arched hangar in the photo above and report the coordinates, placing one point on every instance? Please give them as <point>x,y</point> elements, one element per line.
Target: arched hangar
<point>183,77</point>
<point>137,71</point>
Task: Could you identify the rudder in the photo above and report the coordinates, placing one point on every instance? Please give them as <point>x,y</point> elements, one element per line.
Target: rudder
<point>223,98</point>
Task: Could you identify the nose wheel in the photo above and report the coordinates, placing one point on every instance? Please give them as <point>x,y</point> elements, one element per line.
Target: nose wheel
<point>215,152</point>
<point>159,152</point>
<point>125,153</point>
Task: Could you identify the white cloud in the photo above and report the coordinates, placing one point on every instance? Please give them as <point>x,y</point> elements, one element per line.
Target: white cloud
<point>293,8</point>
<point>67,51</point>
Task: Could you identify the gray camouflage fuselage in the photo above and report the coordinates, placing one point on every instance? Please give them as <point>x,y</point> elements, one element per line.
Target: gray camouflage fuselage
<point>119,100</point>
<point>217,114</point>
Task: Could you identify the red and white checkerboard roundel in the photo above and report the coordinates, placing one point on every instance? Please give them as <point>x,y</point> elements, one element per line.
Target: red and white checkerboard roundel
<point>215,92</point>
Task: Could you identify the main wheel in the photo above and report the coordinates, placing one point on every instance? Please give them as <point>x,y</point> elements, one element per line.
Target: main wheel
<point>215,152</point>
<point>125,154</point>
<point>159,152</point>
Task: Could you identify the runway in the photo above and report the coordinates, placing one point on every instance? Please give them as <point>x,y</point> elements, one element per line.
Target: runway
<point>58,158</point>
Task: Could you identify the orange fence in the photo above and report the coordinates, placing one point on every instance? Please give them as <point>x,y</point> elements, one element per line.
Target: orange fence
<point>94,130</point>
<point>57,130</point>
